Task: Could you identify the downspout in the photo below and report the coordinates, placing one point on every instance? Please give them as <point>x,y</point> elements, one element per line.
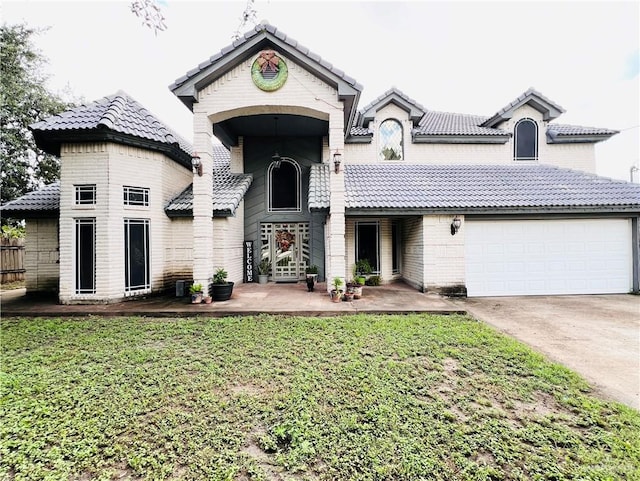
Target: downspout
<point>635,253</point>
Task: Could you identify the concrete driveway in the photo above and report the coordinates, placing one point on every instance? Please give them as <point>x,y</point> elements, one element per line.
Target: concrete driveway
<point>596,336</point>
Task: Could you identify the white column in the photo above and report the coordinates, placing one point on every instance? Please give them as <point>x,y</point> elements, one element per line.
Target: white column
<point>337,251</point>
<point>203,201</point>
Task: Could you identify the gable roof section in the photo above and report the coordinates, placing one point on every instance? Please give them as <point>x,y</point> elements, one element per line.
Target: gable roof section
<point>115,118</point>
<point>549,110</point>
<point>228,189</point>
<point>261,37</point>
<point>477,189</point>
<point>447,127</point>
<point>414,110</point>
<point>42,203</point>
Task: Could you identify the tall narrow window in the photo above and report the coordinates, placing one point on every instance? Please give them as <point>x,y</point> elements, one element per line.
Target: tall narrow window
<point>526,140</point>
<point>284,186</point>
<point>367,244</point>
<point>390,143</point>
<point>85,256</point>
<point>395,247</point>
<point>136,255</point>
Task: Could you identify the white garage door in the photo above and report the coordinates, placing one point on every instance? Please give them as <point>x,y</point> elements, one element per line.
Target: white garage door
<point>536,257</point>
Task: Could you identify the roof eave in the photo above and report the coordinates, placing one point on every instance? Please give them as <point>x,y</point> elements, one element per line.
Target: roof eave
<point>578,139</point>
<point>360,139</point>
<point>50,141</point>
<point>630,209</point>
<point>20,214</point>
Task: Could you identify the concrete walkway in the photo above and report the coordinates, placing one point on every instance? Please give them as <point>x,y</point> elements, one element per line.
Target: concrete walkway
<point>247,299</point>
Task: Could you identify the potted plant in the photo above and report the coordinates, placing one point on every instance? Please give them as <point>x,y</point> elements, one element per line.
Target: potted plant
<point>356,288</point>
<point>362,270</point>
<point>349,294</point>
<point>312,276</point>
<point>336,292</point>
<point>221,290</point>
<point>196,293</point>
<point>263,270</point>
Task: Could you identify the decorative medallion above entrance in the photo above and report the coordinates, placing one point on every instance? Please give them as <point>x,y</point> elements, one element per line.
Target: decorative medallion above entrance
<point>269,72</point>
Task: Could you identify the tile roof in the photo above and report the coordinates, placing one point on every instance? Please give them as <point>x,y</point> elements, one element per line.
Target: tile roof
<point>567,130</point>
<point>477,187</point>
<point>551,109</point>
<point>437,126</point>
<point>228,189</point>
<point>40,201</point>
<point>447,123</point>
<point>117,113</point>
<point>319,187</point>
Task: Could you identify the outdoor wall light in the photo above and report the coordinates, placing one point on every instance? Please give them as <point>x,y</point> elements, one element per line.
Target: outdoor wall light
<point>196,163</point>
<point>277,160</point>
<point>455,225</point>
<point>337,160</point>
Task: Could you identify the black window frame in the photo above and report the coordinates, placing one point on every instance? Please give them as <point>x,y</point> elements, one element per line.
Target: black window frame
<point>128,193</point>
<point>521,138</point>
<point>85,194</point>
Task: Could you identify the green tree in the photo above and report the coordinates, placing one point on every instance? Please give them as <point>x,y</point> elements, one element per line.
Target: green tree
<point>24,99</point>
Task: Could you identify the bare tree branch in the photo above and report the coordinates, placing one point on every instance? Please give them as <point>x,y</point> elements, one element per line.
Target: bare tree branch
<point>150,13</point>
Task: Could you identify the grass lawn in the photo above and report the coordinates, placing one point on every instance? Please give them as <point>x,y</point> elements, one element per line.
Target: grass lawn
<point>282,398</point>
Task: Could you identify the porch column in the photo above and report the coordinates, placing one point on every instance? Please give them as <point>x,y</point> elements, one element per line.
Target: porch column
<point>203,200</point>
<point>337,249</point>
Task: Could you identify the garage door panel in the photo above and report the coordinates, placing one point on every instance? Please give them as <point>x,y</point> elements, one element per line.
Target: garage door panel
<point>570,256</point>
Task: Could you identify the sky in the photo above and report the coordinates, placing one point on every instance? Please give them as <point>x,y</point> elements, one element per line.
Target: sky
<point>471,57</point>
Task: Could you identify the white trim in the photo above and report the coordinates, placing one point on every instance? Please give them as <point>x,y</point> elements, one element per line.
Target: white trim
<point>146,287</point>
<point>77,254</point>
<point>515,140</point>
<point>270,170</point>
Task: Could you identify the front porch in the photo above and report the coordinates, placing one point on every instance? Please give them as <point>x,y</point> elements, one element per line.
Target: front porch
<point>247,299</point>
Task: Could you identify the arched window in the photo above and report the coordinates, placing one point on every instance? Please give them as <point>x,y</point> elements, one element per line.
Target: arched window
<point>284,186</point>
<point>390,140</point>
<point>525,146</point>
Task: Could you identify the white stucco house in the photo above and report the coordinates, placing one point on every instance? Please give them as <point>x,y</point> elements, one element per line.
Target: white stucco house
<point>287,165</point>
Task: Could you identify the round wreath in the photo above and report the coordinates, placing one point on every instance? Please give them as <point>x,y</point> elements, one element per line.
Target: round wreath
<point>269,72</point>
<point>284,238</point>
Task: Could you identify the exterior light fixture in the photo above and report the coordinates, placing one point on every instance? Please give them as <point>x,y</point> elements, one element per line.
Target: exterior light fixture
<point>277,160</point>
<point>337,160</point>
<point>455,225</point>
<point>196,163</point>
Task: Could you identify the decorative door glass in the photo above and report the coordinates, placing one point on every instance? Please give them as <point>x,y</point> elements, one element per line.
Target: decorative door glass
<point>287,247</point>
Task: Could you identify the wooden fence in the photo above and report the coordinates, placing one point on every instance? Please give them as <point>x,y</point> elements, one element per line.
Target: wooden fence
<point>12,260</point>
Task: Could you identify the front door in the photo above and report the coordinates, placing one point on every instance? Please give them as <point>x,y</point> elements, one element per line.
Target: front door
<point>287,247</point>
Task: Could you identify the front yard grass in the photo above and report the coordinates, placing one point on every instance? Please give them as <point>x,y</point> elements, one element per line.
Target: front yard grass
<point>282,398</point>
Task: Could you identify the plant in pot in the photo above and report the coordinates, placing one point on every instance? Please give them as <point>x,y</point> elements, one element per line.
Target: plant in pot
<point>336,292</point>
<point>312,276</point>
<point>196,293</point>
<point>263,270</point>
<point>349,294</point>
<point>362,270</point>
<point>221,289</point>
<point>356,288</point>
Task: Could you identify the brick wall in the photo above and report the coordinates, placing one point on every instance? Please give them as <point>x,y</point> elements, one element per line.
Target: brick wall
<point>41,260</point>
<point>110,167</point>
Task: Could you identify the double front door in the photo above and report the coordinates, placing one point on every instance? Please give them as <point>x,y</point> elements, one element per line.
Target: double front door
<point>286,245</point>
